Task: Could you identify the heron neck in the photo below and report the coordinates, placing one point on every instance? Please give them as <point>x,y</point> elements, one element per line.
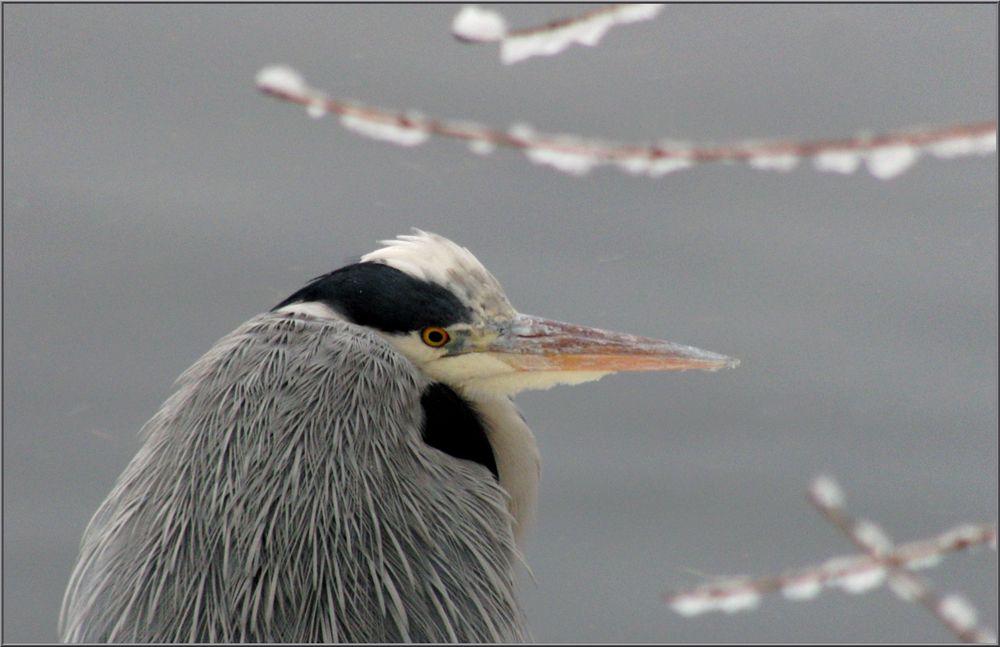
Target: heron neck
<point>516,454</point>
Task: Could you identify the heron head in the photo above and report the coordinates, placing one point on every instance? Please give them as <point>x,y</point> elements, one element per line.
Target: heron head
<point>437,304</point>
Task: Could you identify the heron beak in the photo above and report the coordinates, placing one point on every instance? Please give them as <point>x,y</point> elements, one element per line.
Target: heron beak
<point>536,344</point>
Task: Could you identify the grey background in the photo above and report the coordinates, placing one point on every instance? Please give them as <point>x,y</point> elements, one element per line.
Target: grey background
<point>153,201</point>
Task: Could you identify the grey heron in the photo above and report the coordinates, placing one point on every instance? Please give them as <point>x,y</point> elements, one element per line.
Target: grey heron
<point>347,467</point>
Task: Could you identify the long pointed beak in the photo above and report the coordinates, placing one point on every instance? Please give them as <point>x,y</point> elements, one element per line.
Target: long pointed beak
<point>536,344</point>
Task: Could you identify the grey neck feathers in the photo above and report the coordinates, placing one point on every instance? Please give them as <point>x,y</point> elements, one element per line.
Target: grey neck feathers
<point>276,500</point>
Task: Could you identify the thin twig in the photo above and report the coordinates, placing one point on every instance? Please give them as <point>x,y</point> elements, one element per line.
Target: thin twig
<point>880,562</point>
<point>953,611</point>
<point>885,155</point>
<point>476,25</point>
<point>854,574</point>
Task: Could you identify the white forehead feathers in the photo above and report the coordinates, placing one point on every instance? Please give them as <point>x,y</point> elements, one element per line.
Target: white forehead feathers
<point>436,259</point>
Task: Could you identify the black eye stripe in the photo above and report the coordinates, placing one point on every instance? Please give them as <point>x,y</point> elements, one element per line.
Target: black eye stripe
<point>382,297</point>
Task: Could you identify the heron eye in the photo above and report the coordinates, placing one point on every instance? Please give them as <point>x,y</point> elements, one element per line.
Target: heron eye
<point>434,336</point>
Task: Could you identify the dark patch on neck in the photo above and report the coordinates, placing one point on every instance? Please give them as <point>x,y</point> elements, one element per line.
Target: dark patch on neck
<point>384,298</point>
<point>454,427</point>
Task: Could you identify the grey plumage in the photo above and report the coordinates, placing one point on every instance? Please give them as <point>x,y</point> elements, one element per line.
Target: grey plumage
<point>346,468</point>
<point>283,493</point>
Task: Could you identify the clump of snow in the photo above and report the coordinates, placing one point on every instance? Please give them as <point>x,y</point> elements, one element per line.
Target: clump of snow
<point>837,566</point>
<point>281,78</point>
<point>907,588</point>
<point>641,164</point>
<point>837,161</point>
<point>555,151</point>
<point>565,161</point>
<point>664,165</point>
<point>634,164</point>
<point>391,132</point>
<point>961,146</point>
<point>802,589</point>
<point>578,156</point>
<point>521,131</point>
<point>637,12</point>
<point>872,536</point>
<point>827,492</point>
<point>478,25</point>
<point>985,144</point>
<point>782,163</point>
<point>316,109</point>
<point>518,48</point>
<point>585,31</point>
<point>692,604</point>
<point>729,596</point>
<point>927,561</point>
<point>698,602</point>
<point>958,612</point>
<point>745,600</point>
<point>861,581</point>
<point>888,162</point>
<point>481,146</point>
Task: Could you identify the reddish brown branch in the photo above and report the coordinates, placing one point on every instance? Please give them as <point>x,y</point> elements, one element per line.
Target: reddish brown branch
<point>880,561</point>
<point>952,611</point>
<point>561,23</point>
<point>854,573</point>
<point>476,25</point>
<point>886,155</point>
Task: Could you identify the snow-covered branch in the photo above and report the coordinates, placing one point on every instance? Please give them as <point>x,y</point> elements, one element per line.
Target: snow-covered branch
<point>953,610</point>
<point>884,155</point>
<point>879,563</point>
<point>476,25</point>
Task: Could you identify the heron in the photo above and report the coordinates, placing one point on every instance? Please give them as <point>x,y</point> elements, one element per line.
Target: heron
<point>346,467</point>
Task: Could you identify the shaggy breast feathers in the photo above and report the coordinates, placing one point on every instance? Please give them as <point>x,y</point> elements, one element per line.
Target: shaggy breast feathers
<point>283,493</point>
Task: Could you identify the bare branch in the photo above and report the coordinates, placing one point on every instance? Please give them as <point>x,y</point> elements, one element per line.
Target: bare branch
<point>885,155</point>
<point>475,25</point>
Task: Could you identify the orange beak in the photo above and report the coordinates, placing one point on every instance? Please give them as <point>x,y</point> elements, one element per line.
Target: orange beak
<point>536,344</point>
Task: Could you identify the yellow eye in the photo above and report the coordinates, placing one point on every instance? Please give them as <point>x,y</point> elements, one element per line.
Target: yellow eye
<point>434,336</point>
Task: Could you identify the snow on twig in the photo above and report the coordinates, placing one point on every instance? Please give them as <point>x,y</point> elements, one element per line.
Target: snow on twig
<point>885,155</point>
<point>850,573</point>
<point>476,25</point>
<point>879,563</point>
<point>953,611</point>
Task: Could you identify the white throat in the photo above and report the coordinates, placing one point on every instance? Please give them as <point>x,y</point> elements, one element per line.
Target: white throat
<point>516,454</point>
